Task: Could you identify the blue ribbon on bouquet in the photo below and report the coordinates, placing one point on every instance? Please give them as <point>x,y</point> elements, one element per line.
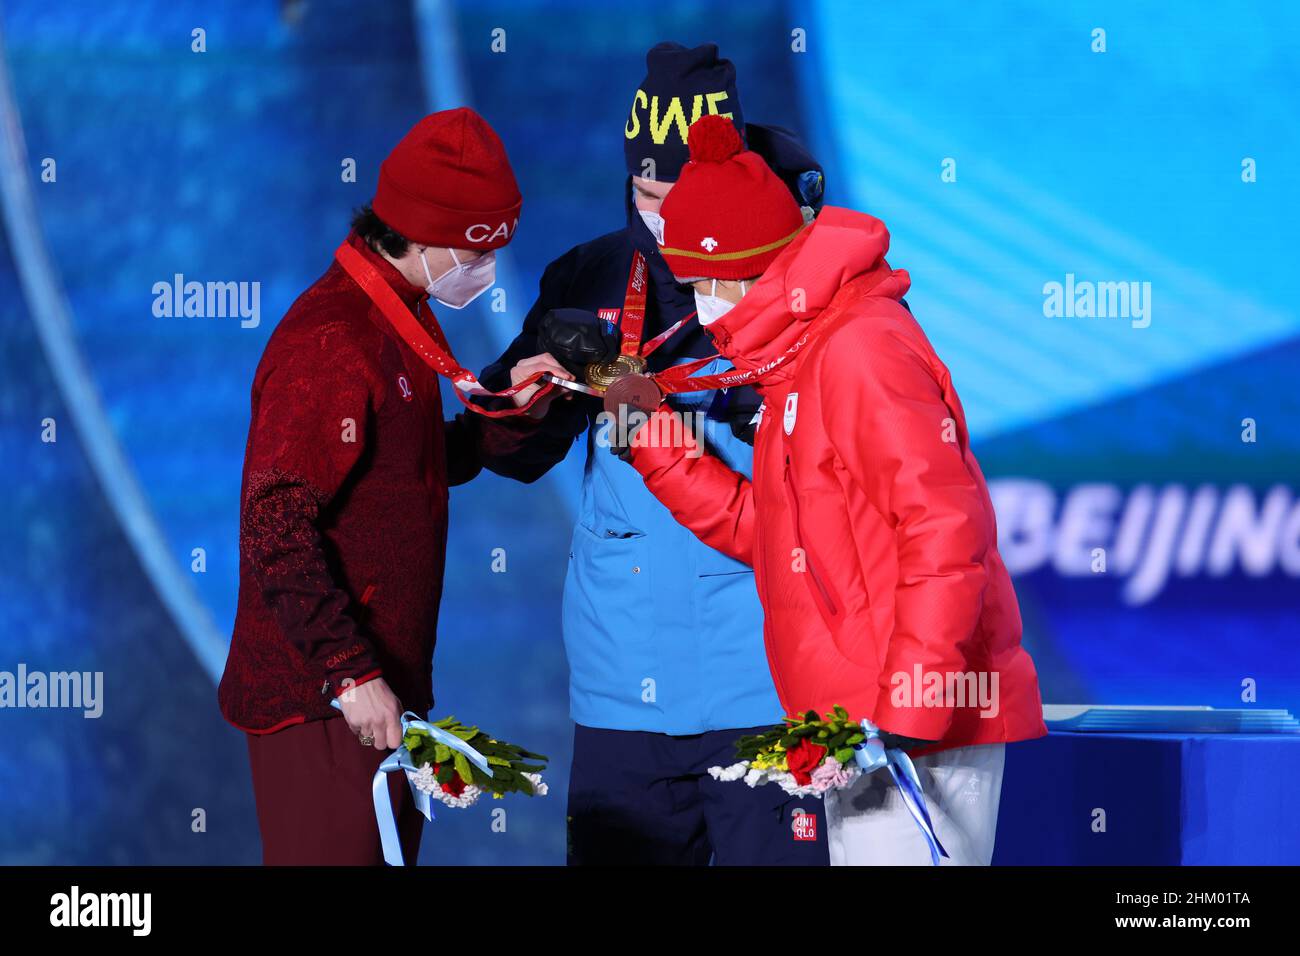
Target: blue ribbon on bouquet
<point>872,754</point>
<point>400,759</point>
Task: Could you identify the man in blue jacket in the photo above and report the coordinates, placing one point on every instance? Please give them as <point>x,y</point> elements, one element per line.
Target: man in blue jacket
<point>664,635</point>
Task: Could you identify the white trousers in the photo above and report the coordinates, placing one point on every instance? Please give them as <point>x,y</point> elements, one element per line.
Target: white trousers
<point>868,824</point>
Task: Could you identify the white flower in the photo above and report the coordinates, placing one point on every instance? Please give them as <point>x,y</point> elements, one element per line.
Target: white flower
<point>787,783</point>
<point>426,782</point>
<point>756,777</point>
<point>539,787</point>
<point>727,774</point>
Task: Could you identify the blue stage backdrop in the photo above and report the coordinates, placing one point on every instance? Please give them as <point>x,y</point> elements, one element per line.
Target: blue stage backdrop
<point>1090,199</point>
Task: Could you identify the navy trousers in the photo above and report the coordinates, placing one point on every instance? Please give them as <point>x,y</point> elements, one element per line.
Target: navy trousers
<point>642,798</point>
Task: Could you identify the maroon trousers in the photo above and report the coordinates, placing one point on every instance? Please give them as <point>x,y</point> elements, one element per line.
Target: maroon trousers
<point>311,783</point>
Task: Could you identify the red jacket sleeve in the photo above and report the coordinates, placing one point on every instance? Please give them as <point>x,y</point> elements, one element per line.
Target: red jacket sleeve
<point>312,411</point>
<point>699,489</point>
<point>886,419</point>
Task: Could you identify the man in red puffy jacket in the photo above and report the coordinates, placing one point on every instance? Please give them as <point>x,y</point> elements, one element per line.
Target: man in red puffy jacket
<point>867,521</point>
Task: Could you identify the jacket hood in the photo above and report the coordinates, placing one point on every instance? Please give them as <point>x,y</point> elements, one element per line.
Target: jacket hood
<point>838,247</point>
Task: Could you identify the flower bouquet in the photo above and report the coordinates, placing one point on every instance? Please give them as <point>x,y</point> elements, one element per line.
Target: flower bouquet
<point>805,755</point>
<point>453,764</point>
<point>810,755</point>
<point>449,776</point>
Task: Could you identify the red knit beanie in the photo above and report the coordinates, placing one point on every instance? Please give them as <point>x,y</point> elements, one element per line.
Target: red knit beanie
<point>449,183</point>
<point>728,216</point>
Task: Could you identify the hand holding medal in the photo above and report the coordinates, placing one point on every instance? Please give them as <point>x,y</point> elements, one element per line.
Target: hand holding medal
<point>606,354</point>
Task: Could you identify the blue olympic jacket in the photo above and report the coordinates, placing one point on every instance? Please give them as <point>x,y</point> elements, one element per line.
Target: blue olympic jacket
<point>662,633</point>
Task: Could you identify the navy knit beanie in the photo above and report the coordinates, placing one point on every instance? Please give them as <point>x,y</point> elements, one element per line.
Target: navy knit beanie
<point>680,86</point>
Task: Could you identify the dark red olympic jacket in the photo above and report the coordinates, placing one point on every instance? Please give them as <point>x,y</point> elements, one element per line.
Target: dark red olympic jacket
<point>343,513</point>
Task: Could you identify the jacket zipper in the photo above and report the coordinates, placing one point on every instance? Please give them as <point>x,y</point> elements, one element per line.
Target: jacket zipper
<point>822,590</point>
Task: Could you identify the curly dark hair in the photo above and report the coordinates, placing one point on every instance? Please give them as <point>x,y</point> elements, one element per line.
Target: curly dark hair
<point>377,233</point>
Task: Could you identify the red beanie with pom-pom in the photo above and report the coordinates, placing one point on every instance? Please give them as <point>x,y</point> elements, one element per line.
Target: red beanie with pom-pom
<point>728,216</point>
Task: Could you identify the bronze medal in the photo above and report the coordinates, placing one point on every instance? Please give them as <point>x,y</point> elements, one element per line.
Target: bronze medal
<point>639,391</point>
<point>602,375</point>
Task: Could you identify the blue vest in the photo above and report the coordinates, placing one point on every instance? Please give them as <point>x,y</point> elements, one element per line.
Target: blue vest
<point>662,632</point>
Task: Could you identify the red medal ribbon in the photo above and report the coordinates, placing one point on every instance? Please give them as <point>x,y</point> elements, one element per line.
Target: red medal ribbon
<point>677,379</point>
<point>430,343</point>
<point>633,316</point>
<point>681,378</point>
<point>634,301</point>
<point>665,335</point>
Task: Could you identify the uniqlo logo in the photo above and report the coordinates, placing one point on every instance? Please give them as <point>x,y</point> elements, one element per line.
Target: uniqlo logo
<point>609,315</point>
<point>804,826</point>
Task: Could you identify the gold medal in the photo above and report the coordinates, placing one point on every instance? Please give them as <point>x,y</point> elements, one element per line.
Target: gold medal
<point>602,375</point>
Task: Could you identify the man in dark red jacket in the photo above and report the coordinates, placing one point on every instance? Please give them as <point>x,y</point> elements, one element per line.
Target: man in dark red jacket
<point>343,518</point>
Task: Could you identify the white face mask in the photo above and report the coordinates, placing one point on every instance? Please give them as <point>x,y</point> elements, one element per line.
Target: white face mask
<point>655,223</point>
<point>464,282</point>
<point>712,307</point>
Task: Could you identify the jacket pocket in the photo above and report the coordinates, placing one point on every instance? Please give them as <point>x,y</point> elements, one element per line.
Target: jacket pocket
<point>605,512</point>
<point>822,591</point>
<point>609,630</point>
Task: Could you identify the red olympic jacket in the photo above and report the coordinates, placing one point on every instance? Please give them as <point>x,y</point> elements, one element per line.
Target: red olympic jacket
<point>343,513</point>
<point>867,521</point>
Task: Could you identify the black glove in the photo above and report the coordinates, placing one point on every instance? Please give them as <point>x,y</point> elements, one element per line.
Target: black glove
<point>619,449</point>
<point>576,337</point>
<point>620,444</point>
<point>738,408</point>
<point>743,426</point>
